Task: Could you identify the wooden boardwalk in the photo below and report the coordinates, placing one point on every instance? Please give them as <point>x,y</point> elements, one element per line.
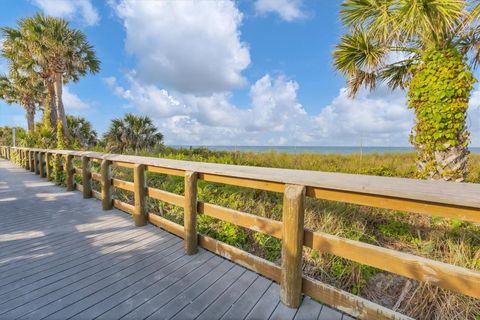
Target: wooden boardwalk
<point>62,257</point>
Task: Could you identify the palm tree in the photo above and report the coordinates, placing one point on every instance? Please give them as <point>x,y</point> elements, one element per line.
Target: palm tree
<point>49,47</point>
<point>134,133</point>
<point>427,47</point>
<point>25,91</point>
<point>81,132</point>
<point>17,51</point>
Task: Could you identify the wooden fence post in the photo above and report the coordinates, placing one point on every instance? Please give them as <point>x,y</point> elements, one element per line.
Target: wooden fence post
<point>106,184</point>
<point>86,178</point>
<point>41,169</point>
<point>292,245</point>
<point>48,163</point>
<point>69,172</point>
<point>26,155</point>
<point>190,213</point>
<point>36,165</point>
<point>32,162</point>
<point>139,188</point>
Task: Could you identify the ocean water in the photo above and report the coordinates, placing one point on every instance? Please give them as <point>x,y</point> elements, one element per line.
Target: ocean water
<point>319,149</point>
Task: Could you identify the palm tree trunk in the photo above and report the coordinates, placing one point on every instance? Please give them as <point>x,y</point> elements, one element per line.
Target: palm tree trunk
<point>59,102</point>
<point>30,110</point>
<point>440,101</point>
<point>52,103</point>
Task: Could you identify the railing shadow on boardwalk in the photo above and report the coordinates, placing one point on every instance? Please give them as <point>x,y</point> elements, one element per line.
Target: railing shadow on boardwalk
<point>424,197</point>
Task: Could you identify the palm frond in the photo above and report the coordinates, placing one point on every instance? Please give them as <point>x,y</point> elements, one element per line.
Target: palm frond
<point>397,75</point>
<point>373,16</point>
<point>434,21</point>
<point>359,59</point>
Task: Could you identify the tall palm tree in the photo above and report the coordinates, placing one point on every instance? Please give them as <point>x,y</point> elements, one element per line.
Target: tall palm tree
<point>427,47</point>
<point>48,46</point>
<point>134,133</point>
<point>81,132</point>
<point>25,91</point>
<point>17,51</point>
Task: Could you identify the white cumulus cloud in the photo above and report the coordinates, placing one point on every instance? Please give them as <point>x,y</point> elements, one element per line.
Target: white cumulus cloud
<point>189,46</point>
<point>288,10</point>
<point>72,102</point>
<point>371,118</point>
<point>70,9</point>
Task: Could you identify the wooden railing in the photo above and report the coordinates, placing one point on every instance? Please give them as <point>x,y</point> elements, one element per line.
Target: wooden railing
<point>451,200</point>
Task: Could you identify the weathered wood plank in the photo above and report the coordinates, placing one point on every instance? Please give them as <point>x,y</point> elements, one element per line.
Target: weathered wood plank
<point>292,245</point>
<point>46,290</point>
<point>121,184</point>
<point>218,308</point>
<point>444,275</point>
<point>347,302</point>
<point>165,196</point>
<point>266,305</point>
<point>250,221</point>
<point>180,268</point>
<point>190,213</point>
<point>128,208</point>
<point>155,303</point>
<point>202,301</point>
<point>140,215</point>
<point>308,310</point>
<point>219,278</point>
<point>241,308</point>
<point>329,314</point>
<point>106,184</point>
<point>433,191</point>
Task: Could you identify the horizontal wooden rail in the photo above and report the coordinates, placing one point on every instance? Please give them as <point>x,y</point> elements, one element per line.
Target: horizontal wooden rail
<point>128,208</point>
<point>168,171</point>
<point>419,196</point>
<point>424,197</point>
<point>246,220</point>
<point>124,185</point>
<point>96,176</point>
<point>165,196</point>
<point>444,275</point>
<point>123,164</point>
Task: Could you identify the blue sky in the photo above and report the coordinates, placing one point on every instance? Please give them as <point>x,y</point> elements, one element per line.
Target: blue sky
<point>247,72</point>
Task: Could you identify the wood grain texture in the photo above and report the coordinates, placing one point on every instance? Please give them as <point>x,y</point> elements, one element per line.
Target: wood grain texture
<point>41,167</point>
<point>167,225</point>
<point>32,161</point>
<point>124,185</point>
<point>440,274</point>
<point>292,245</point>
<point>123,206</point>
<point>106,184</point>
<point>86,177</point>
<point>36,165</point>
<point>48,165</point>
<point>190,213</point>
<point>466,194</point>
<point>165,196</point>
<point>246,220</point>
<point>168,171</point>
<point>140,215</point>
<point>69,172</point>
<point>347,302</point>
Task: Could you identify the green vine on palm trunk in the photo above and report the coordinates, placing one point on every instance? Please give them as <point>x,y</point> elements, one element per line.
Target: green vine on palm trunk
<point>439,93</point>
